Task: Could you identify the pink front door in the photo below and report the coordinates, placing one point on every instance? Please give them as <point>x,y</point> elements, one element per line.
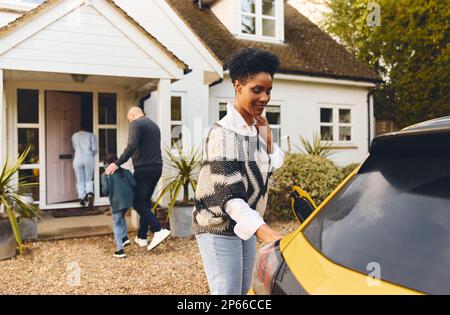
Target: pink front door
<point>63,111</point>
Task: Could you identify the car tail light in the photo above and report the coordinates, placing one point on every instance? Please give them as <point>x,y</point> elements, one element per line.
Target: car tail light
<point>267,265</point>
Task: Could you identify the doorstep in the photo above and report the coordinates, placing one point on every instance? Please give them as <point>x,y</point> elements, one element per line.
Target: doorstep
<point>51,228</point>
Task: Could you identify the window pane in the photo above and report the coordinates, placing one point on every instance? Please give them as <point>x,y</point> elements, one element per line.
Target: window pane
<point>276,135</point>
<point>269,28</point>
<point>344,116</point>
<point>248,25</point>
<point>101,171</point>
<point>29,136</point>
<point>176,135</point>
<point>28,106</point>
<point>222,110</point>
<point>345,133</point>
<point>107,112</point>
<point>268,7</point>
<point>273,115</point>
<point>326,133</point>
<point>107,143</point>
<point>248,6</point>
<point>30,176</point>
<point>326,115</point>
<point>175,108</point>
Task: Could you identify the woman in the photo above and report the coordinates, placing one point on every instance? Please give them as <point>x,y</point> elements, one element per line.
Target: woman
<point>231,194</point>
<point>85,147</point>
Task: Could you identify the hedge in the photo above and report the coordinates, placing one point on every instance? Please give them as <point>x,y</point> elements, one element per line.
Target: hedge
<point>316,175</point>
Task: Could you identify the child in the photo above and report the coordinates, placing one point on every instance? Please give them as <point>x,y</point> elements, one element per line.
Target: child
<point>120,189</point>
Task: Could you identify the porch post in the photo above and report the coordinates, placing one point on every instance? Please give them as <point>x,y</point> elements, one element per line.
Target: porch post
<point>163,111</point>
<point>2,122</point>
<point>163,118</point>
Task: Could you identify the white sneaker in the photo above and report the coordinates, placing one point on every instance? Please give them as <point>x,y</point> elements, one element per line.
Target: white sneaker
<point>140,241</point>
<point>158,237</point>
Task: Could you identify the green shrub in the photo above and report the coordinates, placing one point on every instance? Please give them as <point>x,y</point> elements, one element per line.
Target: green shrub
<point>346,170</point>
<point>316,175</point>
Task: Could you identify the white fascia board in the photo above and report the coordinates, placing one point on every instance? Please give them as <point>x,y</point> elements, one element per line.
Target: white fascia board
<point>202,50</point>
<point>305,78</point>
<point>156,53</point>
<point>30,28</point>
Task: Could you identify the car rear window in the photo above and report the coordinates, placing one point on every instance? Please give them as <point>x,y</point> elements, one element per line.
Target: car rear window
<point>393,220</point>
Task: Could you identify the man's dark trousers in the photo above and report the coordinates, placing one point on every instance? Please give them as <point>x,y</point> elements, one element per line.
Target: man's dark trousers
<point>146,181</point>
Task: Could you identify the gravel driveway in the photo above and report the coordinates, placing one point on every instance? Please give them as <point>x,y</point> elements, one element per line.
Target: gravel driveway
<point>86,266</point>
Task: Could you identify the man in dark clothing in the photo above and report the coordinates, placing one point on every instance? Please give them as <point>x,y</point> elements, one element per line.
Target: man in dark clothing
<point>144,148</point>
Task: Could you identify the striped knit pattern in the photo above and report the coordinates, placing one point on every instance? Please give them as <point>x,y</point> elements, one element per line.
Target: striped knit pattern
<point>233,166</point>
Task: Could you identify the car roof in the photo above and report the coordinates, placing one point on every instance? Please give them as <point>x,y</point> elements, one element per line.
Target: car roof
<point>426,138</point>
<point>438,123</point>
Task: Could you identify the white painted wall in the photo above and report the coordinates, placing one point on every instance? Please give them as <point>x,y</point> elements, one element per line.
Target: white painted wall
<point>226,11</point>
<point>300,113</point>
<point>82,41</point>
<point>229,13</point>
<point>158,18</point>
<point>195,111</point>
<point>6,17</point>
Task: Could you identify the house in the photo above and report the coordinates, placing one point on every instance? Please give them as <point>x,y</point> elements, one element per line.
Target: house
<point>67,61</point>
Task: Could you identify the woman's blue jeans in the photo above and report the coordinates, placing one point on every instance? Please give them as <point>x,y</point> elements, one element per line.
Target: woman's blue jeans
<point>228,262</point>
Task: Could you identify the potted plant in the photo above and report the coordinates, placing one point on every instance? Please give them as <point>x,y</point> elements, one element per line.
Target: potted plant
<point>181,173</point>
<point>13,206</point>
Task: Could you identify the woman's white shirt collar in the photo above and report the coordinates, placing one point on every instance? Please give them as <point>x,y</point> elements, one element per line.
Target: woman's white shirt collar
<point>235,122</point>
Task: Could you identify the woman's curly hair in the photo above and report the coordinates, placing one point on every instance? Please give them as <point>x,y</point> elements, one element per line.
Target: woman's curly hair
<point>250,61</point>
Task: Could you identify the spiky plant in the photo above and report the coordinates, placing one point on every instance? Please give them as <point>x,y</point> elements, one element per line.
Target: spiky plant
<point>317,147</point>
<point>11,201</point>
<point>181,170</point>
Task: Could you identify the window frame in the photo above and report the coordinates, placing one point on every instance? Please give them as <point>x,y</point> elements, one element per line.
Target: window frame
<point>335,124</point>
<point>275,126</point>
<point>97,126</point>
<point>37,126</point>
<point>279,104</point>
<point>259,17</point>
<point>182,96</point>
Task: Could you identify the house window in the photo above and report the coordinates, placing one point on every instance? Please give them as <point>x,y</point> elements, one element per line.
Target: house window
<point>273,115</point>
<point>176,122</point>
<point>107,108</point>
<point>107,128</point>
<point>28,135</point>
<point>336,124</point>
<point>222,110</point>
<point>259,17</point>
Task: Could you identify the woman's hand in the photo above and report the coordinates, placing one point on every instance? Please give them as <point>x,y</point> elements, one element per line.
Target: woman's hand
<point>264,130</point>
<point>267,234</point>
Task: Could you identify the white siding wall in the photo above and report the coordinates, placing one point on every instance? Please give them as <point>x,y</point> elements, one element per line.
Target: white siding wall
<point>225,11</point>
<point>195,111</point>
<point>300,113</point>
<point>151,16</point>
<point>82,41</point>
<point>6,17</point>
<point>229,13</point>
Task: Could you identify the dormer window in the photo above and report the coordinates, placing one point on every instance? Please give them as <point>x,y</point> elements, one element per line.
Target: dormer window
<point>261,19</point>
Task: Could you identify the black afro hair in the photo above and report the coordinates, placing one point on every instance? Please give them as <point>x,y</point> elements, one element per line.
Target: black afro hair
<point>250,61</point>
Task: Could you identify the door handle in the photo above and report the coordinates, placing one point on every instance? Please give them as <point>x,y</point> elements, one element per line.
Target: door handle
<point>65,156</point>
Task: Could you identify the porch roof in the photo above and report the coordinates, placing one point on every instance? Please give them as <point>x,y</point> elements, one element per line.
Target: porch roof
<point>139,37</point>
